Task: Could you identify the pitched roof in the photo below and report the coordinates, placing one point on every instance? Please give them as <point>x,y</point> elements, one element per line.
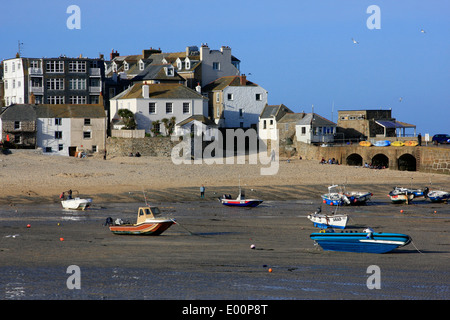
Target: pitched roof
<point>69,111</point>
<point>156,72</point>
<point>199,118</point>
<point>162,91</point>
<point>277,111</point>
<point>223,82</point>
<point>315,120</point>
<point>292,117</point>
<point>18,112</point>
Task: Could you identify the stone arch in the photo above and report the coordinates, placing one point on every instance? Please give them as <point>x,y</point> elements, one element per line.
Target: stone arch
<point>380,160</point>
<point>354,159</point>
<point>407,162</point>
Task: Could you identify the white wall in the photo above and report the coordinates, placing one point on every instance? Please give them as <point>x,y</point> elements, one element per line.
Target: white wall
<point>223,57</point>
<point>16,94</point>
<point>45,135</point>
<point>244,97</point>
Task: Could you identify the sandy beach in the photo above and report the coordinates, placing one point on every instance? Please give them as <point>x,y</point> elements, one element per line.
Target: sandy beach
<point>30,177</point>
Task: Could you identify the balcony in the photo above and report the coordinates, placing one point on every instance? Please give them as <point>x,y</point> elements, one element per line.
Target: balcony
<point>35,71</point>
<point>37,90</point>
<point>94,72</point>
<point>95,89</point>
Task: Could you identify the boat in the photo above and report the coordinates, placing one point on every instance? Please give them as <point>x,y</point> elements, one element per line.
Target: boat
<point>397,144</point>
<point>240,201</point>
<point>366,241</point>
<point>365,144</point>
<point>76,203</point>
<point>411,143</point>
<point>324,221</point>
<point>402,195</point>
<point>338,197</point>
<point>382,143</point>
<point>147,224</point>
<point>438,196</point>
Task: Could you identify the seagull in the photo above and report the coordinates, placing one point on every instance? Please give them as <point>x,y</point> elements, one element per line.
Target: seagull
<point>400,100</point>
<point>423,31</point>
<point>354,41</point>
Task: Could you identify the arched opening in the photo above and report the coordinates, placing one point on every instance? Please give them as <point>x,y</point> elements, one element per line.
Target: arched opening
<point>380,161</point>
<point>407,162</point>
<point>354,160</point>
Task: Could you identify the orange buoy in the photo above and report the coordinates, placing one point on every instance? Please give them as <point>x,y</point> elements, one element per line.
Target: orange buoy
<point>61,239</point>
<point>270,269</point>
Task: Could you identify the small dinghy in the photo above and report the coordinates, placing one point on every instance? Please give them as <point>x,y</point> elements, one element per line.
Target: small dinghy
<point>76,203</point>
<point>324,221</point>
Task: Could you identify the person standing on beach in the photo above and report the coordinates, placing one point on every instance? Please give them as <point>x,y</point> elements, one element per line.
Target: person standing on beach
<point>419,139</point>
<point>202,191</point>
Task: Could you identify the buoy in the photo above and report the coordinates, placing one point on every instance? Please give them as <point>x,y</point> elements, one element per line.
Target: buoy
<point>270,270</point>
<point>58,224</point>
<point>401,211</point>
<point>29,226</point>
<point>61,239</point>
<point>435,211</point>
<point>252,246</point>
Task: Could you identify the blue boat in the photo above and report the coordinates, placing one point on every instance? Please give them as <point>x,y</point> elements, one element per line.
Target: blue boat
<point>367,241</point>
<point>336,196</point>
<point>438,196</point>
<point>382,143</point>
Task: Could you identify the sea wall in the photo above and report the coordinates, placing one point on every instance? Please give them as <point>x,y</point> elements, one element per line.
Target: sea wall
<point>148,146</point>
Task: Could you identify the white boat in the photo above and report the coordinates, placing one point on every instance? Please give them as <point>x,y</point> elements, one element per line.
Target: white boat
<point>76,203</point>
<point>438,196</point>
<point>337,196</point>
<point>324,221</point>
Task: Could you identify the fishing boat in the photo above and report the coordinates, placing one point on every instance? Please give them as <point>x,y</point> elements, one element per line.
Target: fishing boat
<point>397,144</point>
<point>405,195</point>
<point>366,241</point>
<point>324,221</point>
<point>336,196</point>
<point>146,224</point>
<point>365,144</point>
<point>240,201</point>
<point>382,143</point>
<point>76,203</point>
<point>438,196</point>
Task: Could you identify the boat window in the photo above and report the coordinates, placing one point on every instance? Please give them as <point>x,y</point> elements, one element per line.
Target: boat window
<point>155,210</point>
<point>147,211</point>
<point>141,212</point>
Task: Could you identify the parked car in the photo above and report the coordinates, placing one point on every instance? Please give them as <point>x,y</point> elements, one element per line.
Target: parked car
<point>441,138</point>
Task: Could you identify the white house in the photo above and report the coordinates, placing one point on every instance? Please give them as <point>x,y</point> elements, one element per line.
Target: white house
<point>313,128</point>
<point>66,129</point>
<point>235,102</point>
<point>151,103</point>
<point>14,81</point>
<point>268,119</point>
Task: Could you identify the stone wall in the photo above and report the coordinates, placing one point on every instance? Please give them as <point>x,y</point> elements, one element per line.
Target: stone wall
<point>148,146</point>
<point>435,159</point>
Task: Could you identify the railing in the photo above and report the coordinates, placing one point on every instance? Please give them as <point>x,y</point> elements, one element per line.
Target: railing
<point>34,71</point>
<point>95,89</point>
<point>94,72</point>
<point>37,90</point>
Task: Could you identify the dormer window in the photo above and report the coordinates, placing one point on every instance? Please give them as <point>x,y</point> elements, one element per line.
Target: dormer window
<point>179,64</point>
<point>169,71</point>
<point>141,65</point>
<point>114,67</point>
<point>187,63</point>
<point>126,66</point>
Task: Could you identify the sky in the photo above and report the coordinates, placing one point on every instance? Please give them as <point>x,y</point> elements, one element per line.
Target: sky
<point>300,51</point>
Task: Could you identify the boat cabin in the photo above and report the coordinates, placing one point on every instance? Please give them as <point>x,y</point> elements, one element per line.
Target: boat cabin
<point>145,213</point>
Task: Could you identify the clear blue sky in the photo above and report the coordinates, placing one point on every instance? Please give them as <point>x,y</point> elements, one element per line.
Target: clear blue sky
<point>301,52</point>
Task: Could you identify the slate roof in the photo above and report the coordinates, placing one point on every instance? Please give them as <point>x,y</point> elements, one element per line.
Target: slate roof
<point>277,111</point>
<point>223,82</point>
<point>28,112</point>
<point>156,72</point>
<point>161,91</point>
<point>315,120</point>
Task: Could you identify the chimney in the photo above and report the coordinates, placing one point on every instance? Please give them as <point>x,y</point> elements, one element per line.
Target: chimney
<point>113,54</point>
<point>145,91</point>
<point>243,80</point>
<point>198,88</point>
<point>32,99</point>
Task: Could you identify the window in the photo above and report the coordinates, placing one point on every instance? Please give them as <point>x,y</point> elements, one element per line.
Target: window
<point>86,134</point>
<point>77,99</point>
<point>258,97</point>
<point>217,97</point>
<point>48,149</point>
<point>303,131</point>
<point>241,113</point>
<point>55,66</point>
<point>77,66</point>
<point>230,96</point>
<point>60,147</point>
<point>186,107</point>
<point>34,64</point>
<point>55,84</point>
<point>169,108</point>
<point>264,125</point>
<point>157,128</point>
<point>6,84</point>
<point>216,65</point>
<point>58,121</point>
<point>94,99</point>
<point>152,107</point>
<point>16,125</point>
<point>94,148</point>
<point>36,82</point>
<point>55,100</point>
<point>6,67</point>
<point>77,84</point>
<point>141,65</point>
<point>126,66</point>
<point>87,122</point>
<point>58,134</point>
<point>94,82</point>
<point>13,67</point>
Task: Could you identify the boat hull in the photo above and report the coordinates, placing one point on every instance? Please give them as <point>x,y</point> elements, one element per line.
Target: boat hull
<point>337,199</point>
<point>324,221</point>
<point>241,203</point>
<point>438,196</point>
<point>143,229</point>
<point>76,204</point>
<point>361,242</point>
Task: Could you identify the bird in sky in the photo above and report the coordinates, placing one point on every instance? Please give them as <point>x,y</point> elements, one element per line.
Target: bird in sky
<point>423,31</point>
<point>354,41</point>
<point>400,99</point>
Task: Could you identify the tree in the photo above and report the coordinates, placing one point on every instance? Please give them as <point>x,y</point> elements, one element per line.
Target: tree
<point>128,119</point>
<point>169,124</point>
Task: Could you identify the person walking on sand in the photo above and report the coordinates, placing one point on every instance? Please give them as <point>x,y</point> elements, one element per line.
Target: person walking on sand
<point>202,191</point>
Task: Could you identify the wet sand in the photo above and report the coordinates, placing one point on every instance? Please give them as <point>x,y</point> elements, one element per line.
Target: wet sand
<point>207,255</point>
